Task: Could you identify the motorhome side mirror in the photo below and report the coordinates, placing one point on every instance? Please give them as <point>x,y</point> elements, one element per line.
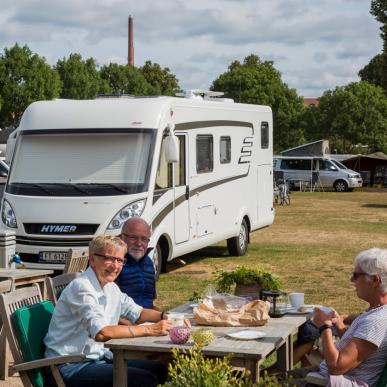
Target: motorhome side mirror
<point>171,146</point>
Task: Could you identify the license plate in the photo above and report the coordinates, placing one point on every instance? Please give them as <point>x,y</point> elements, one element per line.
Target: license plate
<point>53,256</point>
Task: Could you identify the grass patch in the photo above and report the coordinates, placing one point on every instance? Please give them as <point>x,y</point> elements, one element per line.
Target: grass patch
<point>310,247</point>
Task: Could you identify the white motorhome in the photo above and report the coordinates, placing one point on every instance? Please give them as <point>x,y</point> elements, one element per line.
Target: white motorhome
<point>81,168</point>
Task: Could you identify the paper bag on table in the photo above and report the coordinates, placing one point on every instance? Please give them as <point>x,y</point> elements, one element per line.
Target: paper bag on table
<point>255,313</point>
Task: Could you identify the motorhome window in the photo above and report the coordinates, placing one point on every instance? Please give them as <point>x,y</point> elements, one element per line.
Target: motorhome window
<point>326,165</point>
<point>204,153</point>
<point>264,135</point>
<point>92,164</point>
<point>225,150</point>
<point>297,164</point>
<point>164,170</point>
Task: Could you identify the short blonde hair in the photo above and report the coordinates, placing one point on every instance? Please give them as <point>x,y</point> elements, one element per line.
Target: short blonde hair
<point>104,242</point>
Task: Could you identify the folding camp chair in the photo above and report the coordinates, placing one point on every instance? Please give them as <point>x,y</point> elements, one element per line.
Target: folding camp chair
<point>26,319</point>
<point>76,261</point>
<point>56,285</point>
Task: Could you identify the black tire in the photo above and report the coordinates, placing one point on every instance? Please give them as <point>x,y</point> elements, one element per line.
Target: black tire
<point>341,186</point>
<point>237,246</point>
<point>158,261</point>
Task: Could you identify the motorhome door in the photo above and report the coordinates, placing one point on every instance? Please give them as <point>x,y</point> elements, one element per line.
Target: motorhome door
<point>181,193</point>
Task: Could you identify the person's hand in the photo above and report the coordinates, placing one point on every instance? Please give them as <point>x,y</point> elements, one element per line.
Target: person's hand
<point>187,323</point>
<point>338,320</point>
<point>321,318</point>
<point>160,328</point>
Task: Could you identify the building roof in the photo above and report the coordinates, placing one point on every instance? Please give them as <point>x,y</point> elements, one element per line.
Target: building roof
<point>311,101</point>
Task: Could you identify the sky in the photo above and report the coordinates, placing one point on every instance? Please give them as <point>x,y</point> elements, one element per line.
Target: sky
<point>317,45</point>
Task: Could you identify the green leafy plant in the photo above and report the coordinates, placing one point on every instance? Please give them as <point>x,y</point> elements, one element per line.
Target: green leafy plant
<point>195,296</point>
<point>192,369</point>
<point>244,275</point>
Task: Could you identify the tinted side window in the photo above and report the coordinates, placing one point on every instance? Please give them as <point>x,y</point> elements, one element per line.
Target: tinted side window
<point>204,153</point>
<point>225,150</point>
<point>325,165</point>
<point>297,164</point>
<point>264,135</point>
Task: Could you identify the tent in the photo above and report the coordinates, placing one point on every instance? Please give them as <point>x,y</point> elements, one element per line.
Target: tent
<point>372,167</point>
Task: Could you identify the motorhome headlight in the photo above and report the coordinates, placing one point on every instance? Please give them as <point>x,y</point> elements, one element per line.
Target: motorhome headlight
<point>129,211</point>
<point>8,215</point>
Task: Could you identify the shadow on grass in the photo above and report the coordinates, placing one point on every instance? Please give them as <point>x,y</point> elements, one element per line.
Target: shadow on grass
<point>196,256</point>
<point>372,205</point>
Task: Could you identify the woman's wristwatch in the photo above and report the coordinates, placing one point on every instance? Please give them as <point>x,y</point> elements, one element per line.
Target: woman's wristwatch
<point>162,315</point>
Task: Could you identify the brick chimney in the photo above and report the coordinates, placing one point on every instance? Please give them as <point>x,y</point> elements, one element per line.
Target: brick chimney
<point>130,42</point>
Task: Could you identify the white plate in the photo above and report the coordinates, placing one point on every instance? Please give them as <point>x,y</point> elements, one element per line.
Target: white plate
<point>309,309</point>
<point>247,335</point>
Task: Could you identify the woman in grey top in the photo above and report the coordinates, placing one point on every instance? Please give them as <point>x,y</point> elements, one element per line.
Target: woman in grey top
<point>359,357</point>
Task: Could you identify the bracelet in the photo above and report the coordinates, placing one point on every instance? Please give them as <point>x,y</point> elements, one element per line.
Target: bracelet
<point>324,326</point>
<point>162,315</point>
<point>130,331</point>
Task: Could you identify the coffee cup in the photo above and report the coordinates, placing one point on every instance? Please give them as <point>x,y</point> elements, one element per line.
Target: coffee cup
<point>177,319</point>
<point>296,299</point>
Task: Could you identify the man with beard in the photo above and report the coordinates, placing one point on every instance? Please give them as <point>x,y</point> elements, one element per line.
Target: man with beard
<point>137,278</point>
<point>87,315</point>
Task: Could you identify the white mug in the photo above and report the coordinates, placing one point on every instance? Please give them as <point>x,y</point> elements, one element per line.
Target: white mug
<point>177,319</point>
<point>296,299</point>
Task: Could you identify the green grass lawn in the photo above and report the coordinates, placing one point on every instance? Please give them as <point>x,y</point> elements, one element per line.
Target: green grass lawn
<point>311,247</point>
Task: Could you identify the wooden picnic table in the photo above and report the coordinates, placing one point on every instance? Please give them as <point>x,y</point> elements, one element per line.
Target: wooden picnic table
<point>248,354</point>
<point>20,277</point>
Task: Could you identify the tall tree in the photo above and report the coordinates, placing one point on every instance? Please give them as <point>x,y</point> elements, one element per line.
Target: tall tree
<point>124,79</point>
<point>257,82</point>
<point>162,81</point>
<point>80,78</point>
<point>352,115</point>
<point>379,10</point>
<point>376,70</point>
<point>24,78</point>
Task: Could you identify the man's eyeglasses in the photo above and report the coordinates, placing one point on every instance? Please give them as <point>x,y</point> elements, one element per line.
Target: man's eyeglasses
<point>135,238</point>
<point>356,275</point>
<point>108,259</point>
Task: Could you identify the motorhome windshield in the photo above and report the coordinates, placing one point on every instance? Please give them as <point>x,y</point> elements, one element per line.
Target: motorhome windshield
<point>89,164</point>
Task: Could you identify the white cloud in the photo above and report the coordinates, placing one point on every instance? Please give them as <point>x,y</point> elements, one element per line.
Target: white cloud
<point>316,45</point>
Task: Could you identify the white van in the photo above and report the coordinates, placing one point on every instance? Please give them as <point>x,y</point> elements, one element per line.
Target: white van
<point>81,168</point>
<point>331,173</point>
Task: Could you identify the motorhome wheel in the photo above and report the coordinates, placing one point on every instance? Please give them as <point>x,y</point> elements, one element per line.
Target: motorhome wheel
<point>237,246</point>
<point>157,260</point>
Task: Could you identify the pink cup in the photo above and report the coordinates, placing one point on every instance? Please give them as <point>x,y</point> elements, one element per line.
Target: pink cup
<point>180,334</point>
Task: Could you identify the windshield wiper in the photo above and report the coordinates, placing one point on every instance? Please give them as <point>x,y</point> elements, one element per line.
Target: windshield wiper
<point>78,188</point>
<point>40,186</point>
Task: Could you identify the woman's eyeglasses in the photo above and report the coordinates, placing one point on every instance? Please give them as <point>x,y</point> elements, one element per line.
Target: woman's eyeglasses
<point>356,275</point>
<point>108,259</point>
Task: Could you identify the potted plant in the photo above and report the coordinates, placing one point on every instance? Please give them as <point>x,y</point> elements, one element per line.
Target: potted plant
<point>248,281</point>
